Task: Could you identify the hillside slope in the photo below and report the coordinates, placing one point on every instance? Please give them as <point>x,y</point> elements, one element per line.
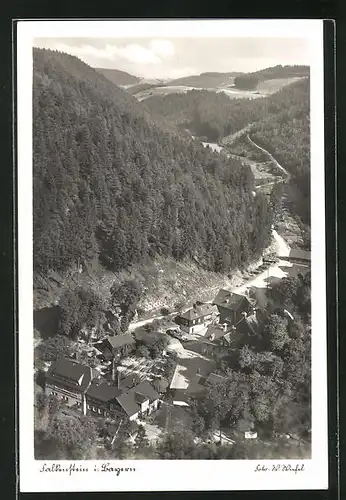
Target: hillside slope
<point>235,85</point>
<point>279,122</point>
<point>110,185</point>
<point>118,77</point>
<point>282,72</point>
<point>205,80</point>
<point>215,116</point>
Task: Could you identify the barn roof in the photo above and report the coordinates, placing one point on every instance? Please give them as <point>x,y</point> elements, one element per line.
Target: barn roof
<point>129,400</point>
<point>120,340</point>
<point>199,311</point>
<point>103,392</point>
<point>69,373</point>
<point>232,301</point>
<point>215,330</point>
<point>297,253</point>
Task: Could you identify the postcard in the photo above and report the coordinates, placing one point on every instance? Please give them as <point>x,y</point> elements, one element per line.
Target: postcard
<point>171,255</point>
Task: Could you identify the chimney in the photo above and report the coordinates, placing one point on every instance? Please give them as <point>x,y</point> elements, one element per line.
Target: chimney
<point>224,327</point>
<point>115,374</point>
<point>78,357</point>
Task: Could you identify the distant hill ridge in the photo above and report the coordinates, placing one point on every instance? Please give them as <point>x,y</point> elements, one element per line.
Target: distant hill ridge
<point>207,79</point>
<point>119,77</point>
<point>279,71</point>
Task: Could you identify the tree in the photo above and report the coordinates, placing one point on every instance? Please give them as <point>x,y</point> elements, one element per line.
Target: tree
<point>276,332</point>
<point>141,439</point>
<point>246,357</point>
<point>198,423</point>
<point>111,185</point>
<point>170,365</point>
<point>276,200</point>
<point>54,347</point>
<point>75,437</point>
<point>81,309</point>
<point>142,352</point>
<point>41,402</point>
<point>126,295</point>
<point>246,82</point>
<point>176,445</point>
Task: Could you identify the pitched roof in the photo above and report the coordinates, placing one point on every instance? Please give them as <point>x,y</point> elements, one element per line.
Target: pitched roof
<point>129,400</point>
<point>216,331</point>
<point>196,386</point>
<point>146,389</point>
<point>128,404</point>
<point>227,337</point>
<point>69,373</point>
<point>103,392</point>
<point>232,301</point>
<point>249,324</point>
<point>199,311</point>
<point>120,340</point>
<point>296,253</point>
<point>129,381</point>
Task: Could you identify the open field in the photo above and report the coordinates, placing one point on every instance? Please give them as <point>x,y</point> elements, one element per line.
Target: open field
<point>268,87</point>
<point>264,88</point>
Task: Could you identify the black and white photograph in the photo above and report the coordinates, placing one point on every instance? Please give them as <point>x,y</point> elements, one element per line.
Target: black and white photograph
<point>172,236</point>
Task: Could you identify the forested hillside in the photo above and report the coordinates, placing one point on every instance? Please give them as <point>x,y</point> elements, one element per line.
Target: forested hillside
<point>109,184</point>
<point>280,123</point>
<point>215,116</point>
<point>282,72</point>
<point>205,80</point>
<point>251,80</point>
<point>287,136</point>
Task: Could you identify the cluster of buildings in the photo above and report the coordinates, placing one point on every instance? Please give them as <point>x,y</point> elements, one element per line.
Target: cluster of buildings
<point>214,328</point>
<point>80,386</point>
<point>210,329</point>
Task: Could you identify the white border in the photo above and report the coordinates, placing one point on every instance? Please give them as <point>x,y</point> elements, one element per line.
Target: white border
<point>171,475</point>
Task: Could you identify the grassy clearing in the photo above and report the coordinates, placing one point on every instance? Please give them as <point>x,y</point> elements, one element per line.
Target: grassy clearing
<point>271,86</point>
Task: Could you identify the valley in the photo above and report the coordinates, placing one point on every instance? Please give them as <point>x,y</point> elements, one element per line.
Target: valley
<point>171,269</point>
<point>266,170</point>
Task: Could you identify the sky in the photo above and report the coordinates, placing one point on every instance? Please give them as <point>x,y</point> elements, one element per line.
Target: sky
<point>176,57</point>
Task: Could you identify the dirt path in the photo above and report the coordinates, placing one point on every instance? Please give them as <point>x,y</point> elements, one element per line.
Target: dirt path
<point>229,139</point>
<point>276,163</point>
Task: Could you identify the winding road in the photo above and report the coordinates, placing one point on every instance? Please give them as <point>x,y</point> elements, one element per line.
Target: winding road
<point>282,249</point>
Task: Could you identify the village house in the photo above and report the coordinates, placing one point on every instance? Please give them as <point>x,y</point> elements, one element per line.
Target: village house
<point>69,380</point>
<point>196,319</point>
<point>196,389</point>
<point>250,325</point>
<point>233,306</point>
<point>108,399</point>
<point>216,333</point>
<point>115,346</point>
